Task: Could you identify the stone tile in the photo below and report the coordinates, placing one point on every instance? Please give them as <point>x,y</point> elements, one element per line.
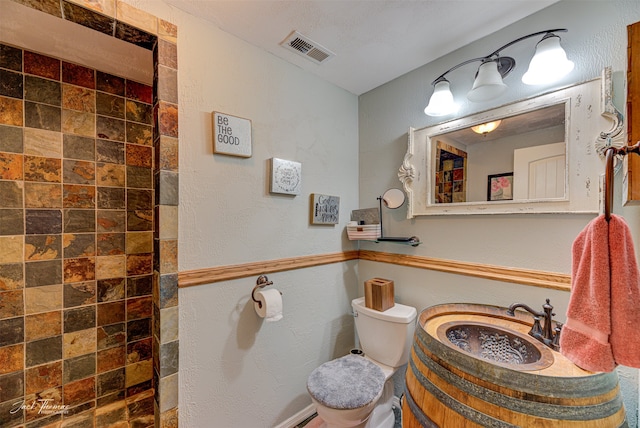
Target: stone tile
<point>43,377</point>
<point>110,290</point>
<point>42,247</point>
<point>111,313</point>
<point>168,255</point>
<point>11,165</point>
<point>43,351</point>
<point>11,358</point>
<point>42,90</point>
<point>113,415</point>
<point>167,222</point>
<point>137,155</point>
<point>138,199</point>
<point>111,358</point>
<point>11,304</point>
<point>47,272</point>
<point>139,264</point>
<point>168,392</point>
<point>109,83</point>
<point>168,84</point>
<point>41,65</point>
<point>139,351</point>
<point>168,119</point>
<point>109,174</point>
<point>110,128</point>
<point>78,75</point>
<point>43,169</point>
<point>167,185</point>
<point>139,388</point>
<point>82,420</point>
<point>167,30</point>
<point>50,7</point>
<point>78,147</point>
<point>42,195</point>
<point>139,92</point>
<point>138,372</point>
<point>132,34</point>
<point>167,154</point>
<point>169,419</point>
<point>138,133</point>
<point>139,242</point>
<point>111,267</point>
<point>11,331</point>
<point>42,116</point>
<point>110,151</point>
<point>11,386</point>
<point>139,220</point>
<point>137,18</point>
<point>79,293</point>
<point>86,408</point>
<point>79,368</point>
<point>79,245</point>
<point>11,192</point>
<point>42,325</point>
<point>110,382</point>
<point>11,59</point>
<point>81,318</point>
<point>77,196</point>
<point>111,336</point>
<point>111,221</point>
<point>40,142</point>
<point>79,269</point>
<point>79,172</point>
<point>139,177</point>
<point>111,244</point>
<point>79,123</point>
<point>78,221</point>
<point>11,222</point>
<point>41,222</point>
<point>140,405</point>
<point>33,414</point>
<point>138,329</point>
<point>167,54</point>
<point>83,15</point>
<point>79,391</point>
<point>78,98</point>
<point>11,277</point>
<point>43,299</point>
<point>139,286</point>
<point>11,139</point>
<point>110,105</point>
<point>11,111</point>
<point>139,112</point>
<point>11,249</point>
<point>168,290</point>
<point>139,307</point>
<point>79,343</point>
<point>9,417</point>
<point>108,399</point>
<point>111,198</point>
<point>169,358</point>
<point>169,324</point>
<point>12,86</point>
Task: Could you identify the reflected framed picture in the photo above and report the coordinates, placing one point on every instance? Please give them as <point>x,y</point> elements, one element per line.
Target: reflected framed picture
<point>500,187</point>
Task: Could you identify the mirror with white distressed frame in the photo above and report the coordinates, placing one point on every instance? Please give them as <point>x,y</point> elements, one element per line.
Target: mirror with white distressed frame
<point>542,157</point>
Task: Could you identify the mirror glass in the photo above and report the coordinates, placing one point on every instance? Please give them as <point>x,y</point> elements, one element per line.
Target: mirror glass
<point>533,156</point>
<point>393,198</point>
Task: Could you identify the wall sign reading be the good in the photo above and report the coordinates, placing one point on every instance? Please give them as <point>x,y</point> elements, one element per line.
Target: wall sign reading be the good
<point>231,135</point>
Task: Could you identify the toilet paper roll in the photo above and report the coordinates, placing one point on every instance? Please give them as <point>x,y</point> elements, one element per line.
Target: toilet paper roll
<point>271,309</point>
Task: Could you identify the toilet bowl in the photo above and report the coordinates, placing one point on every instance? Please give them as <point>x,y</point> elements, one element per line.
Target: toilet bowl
<point>357,391</point>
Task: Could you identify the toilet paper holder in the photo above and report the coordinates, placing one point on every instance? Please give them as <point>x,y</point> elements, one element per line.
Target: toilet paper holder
<point>261,282</point>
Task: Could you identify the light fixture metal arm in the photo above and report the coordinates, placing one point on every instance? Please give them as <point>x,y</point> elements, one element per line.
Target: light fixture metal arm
<point>496,52</point>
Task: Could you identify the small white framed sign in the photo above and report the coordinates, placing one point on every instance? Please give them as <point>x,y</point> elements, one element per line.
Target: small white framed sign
<point>286,177</point>
<point>231,135</point>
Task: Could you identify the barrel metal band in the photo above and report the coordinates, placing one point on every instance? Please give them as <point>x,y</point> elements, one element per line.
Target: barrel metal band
<point>417,411</point>
<point>554,411</point>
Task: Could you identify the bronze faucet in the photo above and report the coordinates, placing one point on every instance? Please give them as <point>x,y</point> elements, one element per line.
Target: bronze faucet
<point>544,334</point>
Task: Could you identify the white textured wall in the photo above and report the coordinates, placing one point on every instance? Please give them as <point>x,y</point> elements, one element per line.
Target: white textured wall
<point>596,38</point>
<point>235,370</point>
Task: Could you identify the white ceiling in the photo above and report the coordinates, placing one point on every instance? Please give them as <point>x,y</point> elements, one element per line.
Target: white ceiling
<point>375,41</point>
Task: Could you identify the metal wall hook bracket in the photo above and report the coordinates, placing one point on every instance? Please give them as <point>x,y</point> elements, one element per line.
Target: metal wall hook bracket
<point>261,282</point>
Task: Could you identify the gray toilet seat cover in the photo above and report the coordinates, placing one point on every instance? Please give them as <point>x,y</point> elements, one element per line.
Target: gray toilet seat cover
<point>349,382</point>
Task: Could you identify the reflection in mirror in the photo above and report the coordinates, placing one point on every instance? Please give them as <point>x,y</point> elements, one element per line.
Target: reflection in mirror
<point>393,198</point>
<point>521,157</point>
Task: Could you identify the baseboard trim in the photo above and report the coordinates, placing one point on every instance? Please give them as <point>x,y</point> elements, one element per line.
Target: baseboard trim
<point>298,417</point>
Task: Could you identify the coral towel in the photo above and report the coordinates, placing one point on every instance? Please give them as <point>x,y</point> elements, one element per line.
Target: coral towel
<point>604,308</point>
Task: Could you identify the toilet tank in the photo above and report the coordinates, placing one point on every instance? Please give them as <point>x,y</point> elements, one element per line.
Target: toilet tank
<point>385,337</point>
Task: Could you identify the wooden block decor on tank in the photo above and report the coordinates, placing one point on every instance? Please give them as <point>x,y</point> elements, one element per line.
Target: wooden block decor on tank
<point>378,294</point>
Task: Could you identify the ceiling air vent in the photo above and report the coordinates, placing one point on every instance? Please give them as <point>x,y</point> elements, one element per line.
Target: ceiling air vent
<point>309,49</point>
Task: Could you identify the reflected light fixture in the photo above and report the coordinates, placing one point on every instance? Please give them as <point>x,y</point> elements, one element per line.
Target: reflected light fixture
<point>485,128</point>
<point>548,64</point>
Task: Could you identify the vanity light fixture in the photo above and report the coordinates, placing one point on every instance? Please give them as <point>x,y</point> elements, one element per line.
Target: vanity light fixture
<point>485,128</point>
<point>548,64</point>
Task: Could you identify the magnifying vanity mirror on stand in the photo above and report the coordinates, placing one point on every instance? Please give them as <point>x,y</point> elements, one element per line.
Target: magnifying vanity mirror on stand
<point>539,155</point>
<point>394,199</point>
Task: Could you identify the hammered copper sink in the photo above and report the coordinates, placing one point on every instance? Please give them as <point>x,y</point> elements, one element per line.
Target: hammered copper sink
<point>475,366</point>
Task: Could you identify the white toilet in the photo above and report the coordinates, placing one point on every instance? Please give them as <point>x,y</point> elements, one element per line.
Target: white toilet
<point>356,391</point>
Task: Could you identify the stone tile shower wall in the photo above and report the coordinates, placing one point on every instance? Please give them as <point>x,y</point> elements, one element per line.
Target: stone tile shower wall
<point>88,240</point>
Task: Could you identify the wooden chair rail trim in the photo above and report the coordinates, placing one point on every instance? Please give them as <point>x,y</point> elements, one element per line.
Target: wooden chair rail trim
<point>553,280</point>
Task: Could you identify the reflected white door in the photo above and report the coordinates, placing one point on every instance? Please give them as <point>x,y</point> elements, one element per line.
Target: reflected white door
<point>539,172</point>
